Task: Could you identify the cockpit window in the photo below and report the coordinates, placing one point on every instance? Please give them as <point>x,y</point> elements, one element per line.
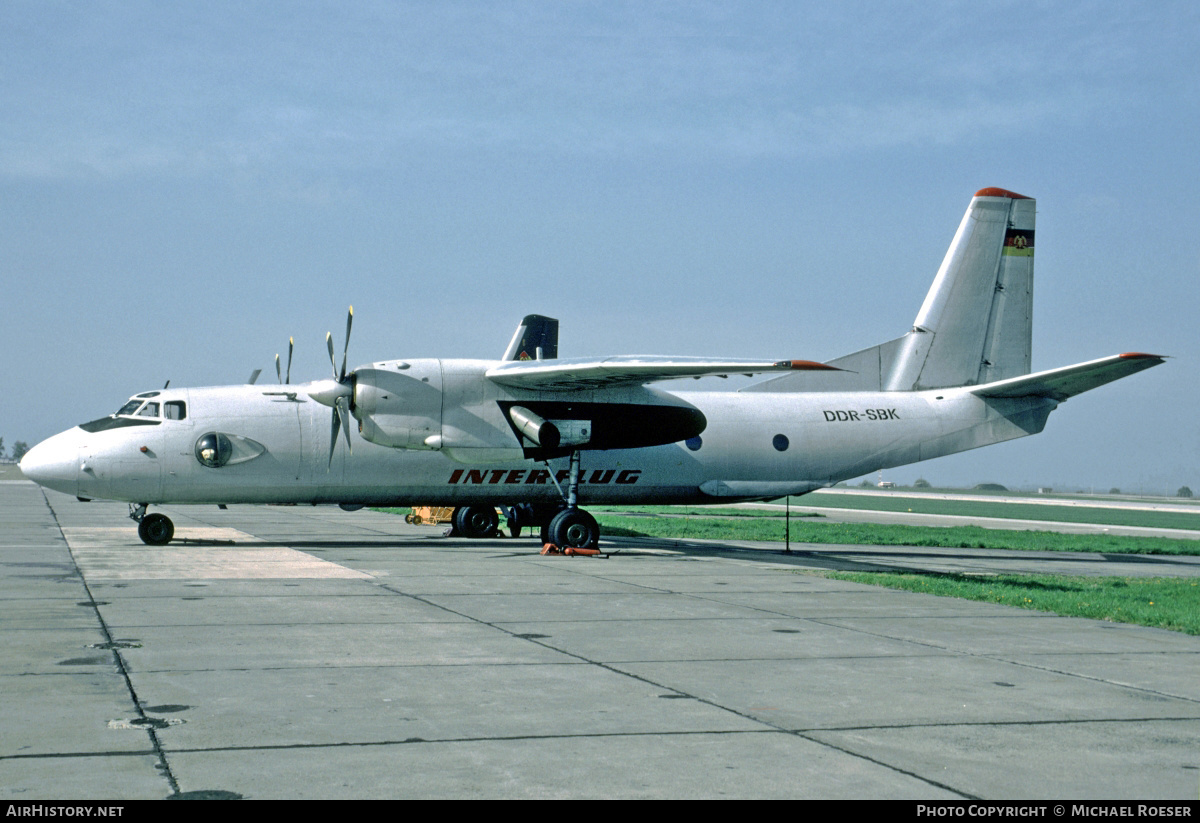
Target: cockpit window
<point>175,410</point>
<point>130,407</point>
<point>149,410</point>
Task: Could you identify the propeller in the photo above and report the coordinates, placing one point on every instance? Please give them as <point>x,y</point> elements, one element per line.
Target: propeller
<point>336,393</point>
<point>288,380</point>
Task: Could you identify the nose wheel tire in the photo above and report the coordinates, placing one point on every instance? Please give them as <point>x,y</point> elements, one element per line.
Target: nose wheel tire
<point>156,530</point>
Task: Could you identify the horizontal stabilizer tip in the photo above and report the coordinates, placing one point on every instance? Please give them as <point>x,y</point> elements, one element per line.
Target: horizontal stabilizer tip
<point>806,365</point>
<point>1066,382</point>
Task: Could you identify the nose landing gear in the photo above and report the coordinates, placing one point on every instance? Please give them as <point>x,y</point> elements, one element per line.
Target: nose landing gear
<point>154,529</point>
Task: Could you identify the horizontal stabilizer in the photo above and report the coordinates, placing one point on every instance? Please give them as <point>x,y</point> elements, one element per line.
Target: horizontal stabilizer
<point>577,374</point>
<point>1064,383</point>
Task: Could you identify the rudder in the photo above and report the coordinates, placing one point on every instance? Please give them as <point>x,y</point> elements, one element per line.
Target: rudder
<point>976,324</point>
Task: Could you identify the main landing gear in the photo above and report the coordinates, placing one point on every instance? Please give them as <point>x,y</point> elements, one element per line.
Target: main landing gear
<point>568,526</point>
<point>154,529</point>
<point>573,527</point>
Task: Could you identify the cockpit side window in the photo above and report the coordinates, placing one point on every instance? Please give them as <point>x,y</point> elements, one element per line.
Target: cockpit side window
<point>149,410</point>
<point>175,410</point>
<point>130,407</point>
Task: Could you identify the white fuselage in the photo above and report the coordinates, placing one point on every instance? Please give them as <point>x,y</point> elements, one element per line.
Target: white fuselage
<point>755,446</point>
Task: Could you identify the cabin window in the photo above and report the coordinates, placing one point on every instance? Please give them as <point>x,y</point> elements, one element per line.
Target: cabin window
<point>213,450</point>
<point>175,410</point>
<point>780,442</point>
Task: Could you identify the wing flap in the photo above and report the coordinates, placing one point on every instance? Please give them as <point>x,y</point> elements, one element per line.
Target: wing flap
<point>579,374</point>
<point>1068,381</point>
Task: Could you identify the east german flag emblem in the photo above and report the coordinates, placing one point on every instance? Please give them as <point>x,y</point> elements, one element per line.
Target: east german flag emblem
<point>1018,243</point>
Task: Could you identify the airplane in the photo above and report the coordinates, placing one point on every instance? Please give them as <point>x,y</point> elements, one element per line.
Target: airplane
<point>546,435</point>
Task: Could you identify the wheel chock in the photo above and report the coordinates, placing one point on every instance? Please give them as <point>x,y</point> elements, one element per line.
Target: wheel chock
<point>551,549</point>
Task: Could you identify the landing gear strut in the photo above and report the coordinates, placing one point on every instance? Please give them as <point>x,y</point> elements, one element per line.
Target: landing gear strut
<point>573,526</point>
<point>154,529</point>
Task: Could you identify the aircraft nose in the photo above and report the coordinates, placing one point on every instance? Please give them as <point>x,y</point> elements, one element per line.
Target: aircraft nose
<point>53,463</point>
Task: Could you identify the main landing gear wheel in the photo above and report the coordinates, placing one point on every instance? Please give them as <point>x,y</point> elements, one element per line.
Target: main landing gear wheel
<point>574,528</point>
<point>476,521</point>
<point>156,530</point>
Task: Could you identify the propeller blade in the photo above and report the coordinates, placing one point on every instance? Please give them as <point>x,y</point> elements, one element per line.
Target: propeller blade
<point>337,395</point>
<point>278,373</point>
<point>343,411</point>
<point>333,434</point>
<point>291,345</point>
<point>346,348</point>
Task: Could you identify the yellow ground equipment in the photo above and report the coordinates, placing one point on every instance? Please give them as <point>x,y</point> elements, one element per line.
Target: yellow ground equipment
<point>429,515</point>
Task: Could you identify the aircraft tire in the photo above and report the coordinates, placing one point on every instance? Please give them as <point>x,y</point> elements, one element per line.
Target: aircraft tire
<point>156,530</point>
<point>476,521</point>
<point>576,529</point>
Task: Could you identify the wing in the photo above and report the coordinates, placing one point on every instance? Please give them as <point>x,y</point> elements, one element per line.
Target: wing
<point>578,374</point>
<point>1068,381</point>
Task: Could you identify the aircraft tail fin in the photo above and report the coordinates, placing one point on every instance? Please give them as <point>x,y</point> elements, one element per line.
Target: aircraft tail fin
<point>976,324</point>
<point>535,339</point>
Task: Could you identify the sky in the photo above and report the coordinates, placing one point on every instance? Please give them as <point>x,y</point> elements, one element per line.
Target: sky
<point>184,186</point>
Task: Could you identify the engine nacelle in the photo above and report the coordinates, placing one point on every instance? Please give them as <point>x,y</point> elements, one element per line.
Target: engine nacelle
<point>399,404</point>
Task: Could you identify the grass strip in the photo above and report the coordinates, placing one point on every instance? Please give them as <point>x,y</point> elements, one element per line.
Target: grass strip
<point>867,534</point>
<point>1158,602</point>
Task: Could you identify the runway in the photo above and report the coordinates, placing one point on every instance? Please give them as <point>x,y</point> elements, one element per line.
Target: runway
<point>299,652</point>
<point>812,504</point>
